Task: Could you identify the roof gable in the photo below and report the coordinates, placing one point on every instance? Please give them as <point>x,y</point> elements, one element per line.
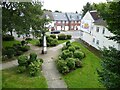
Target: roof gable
<point>94,15</point>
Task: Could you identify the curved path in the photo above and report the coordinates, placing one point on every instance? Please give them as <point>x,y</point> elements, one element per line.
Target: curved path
<point>49,69</point>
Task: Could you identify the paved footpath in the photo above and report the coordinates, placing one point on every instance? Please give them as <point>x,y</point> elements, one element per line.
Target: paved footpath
<point>49,69</point>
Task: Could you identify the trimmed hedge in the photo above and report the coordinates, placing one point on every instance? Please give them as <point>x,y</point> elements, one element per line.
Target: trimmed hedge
<point>68,36</point>
<point>53,36</point>
<point>62,37</point>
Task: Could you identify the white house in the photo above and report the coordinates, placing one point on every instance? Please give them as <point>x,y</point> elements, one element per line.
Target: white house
<point>94,31</point>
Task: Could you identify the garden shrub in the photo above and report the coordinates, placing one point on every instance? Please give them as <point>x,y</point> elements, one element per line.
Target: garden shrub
<point>71,63</point>
<point>61,37</point>
<point>64,47</point>
<point>66,54</point>
<point>21,69</point>
<point>61,64</point>
<point>78,63</point>
<point>28,39</point>
<point>23,42</point>
<point>79,54</point>
<point>41,60</point>
<point>9,51</point>
<point>7,37</point>
<point>53,36</point>
<point>54,42</point>
<point>22,60</point>
<point>77,47</point>
<point>68,43</point>
<point>33,57</point>
<point>68,36</point>
<point>25,48</point>
<point>71,48</point>
<point>65,70</point>
<point>34,68</point>
<point>17,53</point>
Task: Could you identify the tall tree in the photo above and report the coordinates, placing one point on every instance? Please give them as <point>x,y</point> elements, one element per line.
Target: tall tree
<point>110,74</point>
<point>86,8</point>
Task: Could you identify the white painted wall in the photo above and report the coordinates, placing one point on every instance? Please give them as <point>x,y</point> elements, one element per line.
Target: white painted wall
<point>103,41</point>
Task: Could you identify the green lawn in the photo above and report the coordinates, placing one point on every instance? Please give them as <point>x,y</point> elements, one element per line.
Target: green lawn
<point>11,79</point>
<point>9,43</point>
<point>85,77</point>
<point>34,41</point>
<point>62,41</point>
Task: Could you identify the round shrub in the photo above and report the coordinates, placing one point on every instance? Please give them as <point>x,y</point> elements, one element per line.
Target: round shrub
<point>54,42</point>
<point>78,63</point>
<point>79,54</point>
<point>53,36</point>
<point>66,54</point>
<point>61,37</point>
<point>64,48</point>
<point>21,69</point>
<point>68,43</point>
<point>68,36</point>
<point>65,70</point>
<point>9,51</point>
<point>25,48</point>
<point>28,39</point>
<point>71,48</point>
<point>77,47</point>
<point>33,57</point>
<point>60,65</point>
<point>7,37</point>
<point>17,53</point>
<point>41,60</point>
<point>34,68</point>
<point>23,42</point>
<point>71,63</point>
<point>22,60</point>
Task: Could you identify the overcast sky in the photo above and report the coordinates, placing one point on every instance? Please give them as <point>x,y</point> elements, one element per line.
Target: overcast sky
<point>67,5</point>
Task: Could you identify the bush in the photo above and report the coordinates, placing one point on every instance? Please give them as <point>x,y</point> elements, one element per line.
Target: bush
<point>38,43</point>
<point>61,37</point>
<point>34,68</point>
<point>25,48</point>
<point>77,47</point>
<point>21,69</point>
<point>54,42</point>
<point>9,51</point>
<point>68,43</point>
<point>79,54</point>
<point>68,36</point>
<point>78,63</point>
<point>17,53</point>
<point>71,63</point>
<point>33,57</point>
<point>41,60</point>
<point>62,67</point>
<point>7,37</point>
<point>66,54</point>
<point>71,48</point>
<point>64,48</point>
<point>53,36</point>
<point>23,42</point>
<point>22,60</point>
<point>28,39</point>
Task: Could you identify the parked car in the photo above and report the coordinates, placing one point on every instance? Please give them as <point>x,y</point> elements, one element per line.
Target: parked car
<point>55,32</point>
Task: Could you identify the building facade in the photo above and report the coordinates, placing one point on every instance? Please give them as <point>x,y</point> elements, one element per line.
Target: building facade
<point>63,21</point>
<point>94,31</point>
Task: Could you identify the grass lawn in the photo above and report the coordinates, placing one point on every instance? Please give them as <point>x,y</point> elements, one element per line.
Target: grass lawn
<point>34,41</point>
<point>11,79</point>
<point>62,41</point>
<point>9,43</point>
<point>85,77</point>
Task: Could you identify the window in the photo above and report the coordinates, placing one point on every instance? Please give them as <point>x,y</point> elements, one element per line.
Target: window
<point>97,29</point>
<point>103,31</point>
<point>97,42</point>
<point>93,40</point>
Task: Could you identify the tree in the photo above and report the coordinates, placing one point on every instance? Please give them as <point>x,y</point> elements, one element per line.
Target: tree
<point>110,73</point>
<point>86,8</point>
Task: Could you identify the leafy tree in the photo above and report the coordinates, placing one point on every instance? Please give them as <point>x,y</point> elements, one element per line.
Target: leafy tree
<point>86,8</point>
<point>110,74</point>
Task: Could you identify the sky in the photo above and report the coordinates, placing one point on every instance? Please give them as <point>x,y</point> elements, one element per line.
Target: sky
<point>67,5</point>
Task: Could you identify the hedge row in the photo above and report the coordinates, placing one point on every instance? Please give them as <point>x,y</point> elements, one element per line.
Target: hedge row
<point>70,58</point>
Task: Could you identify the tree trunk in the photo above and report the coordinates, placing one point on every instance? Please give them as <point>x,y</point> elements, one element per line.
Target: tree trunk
<point>11,33</point>
<point>44,43</point>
